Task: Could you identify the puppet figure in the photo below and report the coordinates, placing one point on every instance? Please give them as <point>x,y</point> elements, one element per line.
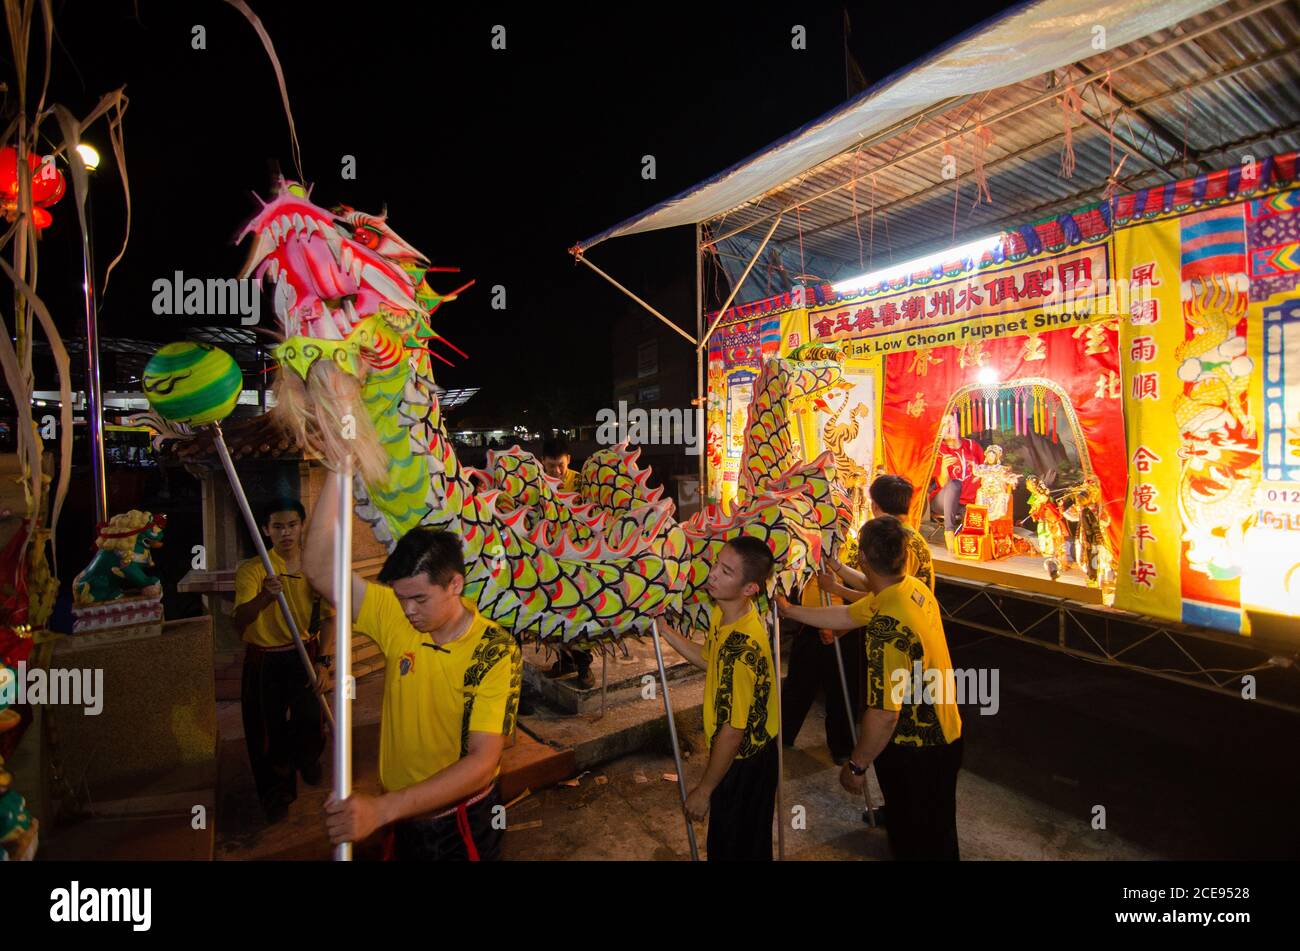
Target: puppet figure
<point>996,483</point>
<point>1052,530</point>
<point>954,473</point>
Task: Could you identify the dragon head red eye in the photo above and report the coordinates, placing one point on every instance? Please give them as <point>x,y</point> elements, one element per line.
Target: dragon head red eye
<point>364,235</point>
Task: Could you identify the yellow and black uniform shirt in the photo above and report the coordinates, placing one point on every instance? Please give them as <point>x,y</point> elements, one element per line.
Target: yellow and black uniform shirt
<point>268,628</point>
<point>903,628</point>
<point>920,564</point>
<point>571,481</point>
<point>738,686</point>
<point>436,695</point>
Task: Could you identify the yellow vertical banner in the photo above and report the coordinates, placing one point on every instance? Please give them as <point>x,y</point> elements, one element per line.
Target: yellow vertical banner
<point>1211,390</point>
<point>1151,333</point>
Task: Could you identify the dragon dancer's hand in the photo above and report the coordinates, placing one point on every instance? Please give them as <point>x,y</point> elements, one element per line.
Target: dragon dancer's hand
<point>697,804</point>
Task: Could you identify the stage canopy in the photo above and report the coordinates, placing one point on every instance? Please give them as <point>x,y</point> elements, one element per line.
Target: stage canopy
<point>1133,93</point>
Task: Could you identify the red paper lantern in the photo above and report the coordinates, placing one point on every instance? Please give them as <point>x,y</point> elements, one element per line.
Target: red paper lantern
<point>48,186</point>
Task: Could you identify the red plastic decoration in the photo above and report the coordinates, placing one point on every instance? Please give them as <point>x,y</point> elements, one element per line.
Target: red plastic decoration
<point>48,186</point>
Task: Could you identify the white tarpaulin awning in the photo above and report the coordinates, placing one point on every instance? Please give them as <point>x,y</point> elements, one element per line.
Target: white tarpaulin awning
<point>1021,43</point>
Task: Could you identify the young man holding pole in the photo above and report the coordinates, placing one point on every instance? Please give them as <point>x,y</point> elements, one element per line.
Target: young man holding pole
<point>451,693</point>
<point>738,789</point>
<point>890,495</point>
<point>913,735</point>
<point>283,725</point>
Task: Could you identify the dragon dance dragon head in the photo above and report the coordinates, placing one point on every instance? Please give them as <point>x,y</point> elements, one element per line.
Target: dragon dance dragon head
<point>326,270</point>
<point>347,291</point>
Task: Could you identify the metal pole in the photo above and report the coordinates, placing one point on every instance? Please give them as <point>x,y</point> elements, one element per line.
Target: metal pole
<point>702,404</point>
<point>736,288</point>
<point>853,731</point>
<point>94,399</point>
<point>672,733</point>
<point>780,739</point>
<point>237,488</point>
<point>853,723</point>
<point>635,298</point>
<point>344,689</point>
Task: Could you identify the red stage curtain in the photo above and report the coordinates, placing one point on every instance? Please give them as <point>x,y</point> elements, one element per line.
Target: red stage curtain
<point>1084,362</point>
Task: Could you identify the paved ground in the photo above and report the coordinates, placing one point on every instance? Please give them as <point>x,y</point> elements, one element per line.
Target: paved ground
<point>635,813</point>
<point>1181,773</point>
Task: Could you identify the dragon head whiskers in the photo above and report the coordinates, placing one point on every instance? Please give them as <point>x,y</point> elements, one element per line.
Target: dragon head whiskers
<point>325,412</point>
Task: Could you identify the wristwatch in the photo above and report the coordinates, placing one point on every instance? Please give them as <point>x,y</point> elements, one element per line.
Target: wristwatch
<point>855,769</point>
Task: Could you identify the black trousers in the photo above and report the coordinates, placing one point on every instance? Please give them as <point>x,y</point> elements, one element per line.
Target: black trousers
<point>574,658</point>
<point>283,724</point>
<point>920,786</point>
<point>740,809</point>
<point>449,839</point>
<point>813,668</point>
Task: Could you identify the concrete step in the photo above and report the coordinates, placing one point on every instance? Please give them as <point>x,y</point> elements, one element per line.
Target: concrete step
<point>533,765</point>
<point>620,683</point>
<point>630,724</point>
<point>151,826</point>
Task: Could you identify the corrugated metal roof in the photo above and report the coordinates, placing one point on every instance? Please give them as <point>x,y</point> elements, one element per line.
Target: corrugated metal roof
<point>1200,105</point>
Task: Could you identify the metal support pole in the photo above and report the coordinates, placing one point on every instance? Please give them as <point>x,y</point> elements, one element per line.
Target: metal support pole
<point>635,298</point>
<point>780,739</point>
<point>853,723</point>
<point>736,288</point>
<point>344,690</point>
<point>237,489</point>
<point>853,731</point>
<point>94,398</point>
<point>702,397</point>
<point>672,733</point>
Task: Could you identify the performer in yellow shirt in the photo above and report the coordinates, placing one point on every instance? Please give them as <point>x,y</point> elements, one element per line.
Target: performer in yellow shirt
<point>451,695</point>
<point>890,495</point>
<point>738,789</point>
<point>913,735</point>
<point>283,726</point>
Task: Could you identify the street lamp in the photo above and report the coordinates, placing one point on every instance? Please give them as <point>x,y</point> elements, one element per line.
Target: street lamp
<point>89,159</point>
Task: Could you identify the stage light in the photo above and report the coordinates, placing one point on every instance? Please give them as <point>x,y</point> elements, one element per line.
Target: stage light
<point>973,249</point>
<point>987,376</point>
<point>89,157</point>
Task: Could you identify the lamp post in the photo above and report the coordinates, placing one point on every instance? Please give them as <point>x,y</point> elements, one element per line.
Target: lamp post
<point>89,159</point>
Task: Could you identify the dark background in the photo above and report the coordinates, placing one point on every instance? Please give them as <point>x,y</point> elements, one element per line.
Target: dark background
<point>496,162</point>
<point>493,161</point>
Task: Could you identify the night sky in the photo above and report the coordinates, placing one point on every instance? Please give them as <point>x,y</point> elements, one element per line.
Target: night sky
<point>493,161</point>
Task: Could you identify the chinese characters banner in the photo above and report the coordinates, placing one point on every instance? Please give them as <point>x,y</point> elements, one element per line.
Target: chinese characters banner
<point>1212,518</point>
<point>737,353</point>
<point>1043,293</point>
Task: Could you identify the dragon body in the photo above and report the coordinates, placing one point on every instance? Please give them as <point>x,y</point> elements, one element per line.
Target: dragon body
<point>354,306</point>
